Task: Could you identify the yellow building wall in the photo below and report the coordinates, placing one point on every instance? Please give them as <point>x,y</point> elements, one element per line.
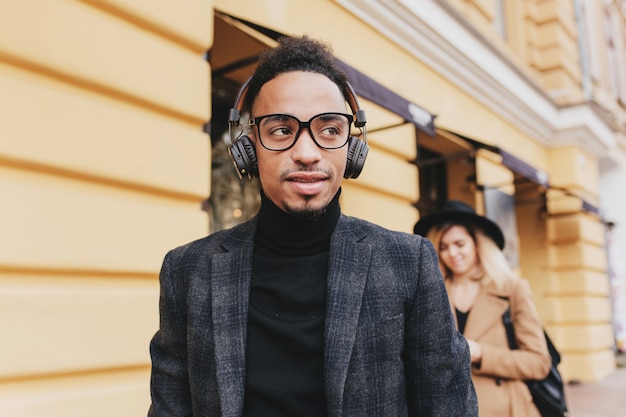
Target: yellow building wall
<point>103,167</point>
<point>581,314</point>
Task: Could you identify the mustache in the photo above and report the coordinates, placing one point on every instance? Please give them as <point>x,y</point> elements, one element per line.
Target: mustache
<point>306,169</point>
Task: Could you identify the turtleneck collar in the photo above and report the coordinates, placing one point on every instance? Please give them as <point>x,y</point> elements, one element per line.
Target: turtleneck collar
<point>280,233</point>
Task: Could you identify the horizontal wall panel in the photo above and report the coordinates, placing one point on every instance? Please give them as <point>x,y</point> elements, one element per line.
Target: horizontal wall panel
<point>587,366</point>
<point>559,203</point>
<point>576,227</point>
<point>490,172</point>
<point>592,230</point>
<point>593,337</point>
<point>192,23</point>
<point>390,175</point>
<point>61,325</point>
<point>563,229</point>
<point>577,255</point>
<point>94,47</point>
<point>119,394</point>
<point>583,309</point>
<point>581,346</point>
<point>57,125</point>
<point>378,117</point>
<point>394,214</point>
<point>400,140</point>
<point>572,169</point>
<point>51,222</point>
<point>582,282</point>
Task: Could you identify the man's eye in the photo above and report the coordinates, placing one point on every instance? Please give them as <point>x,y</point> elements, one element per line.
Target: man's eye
<point>280,131</point>
<point>331,130</point>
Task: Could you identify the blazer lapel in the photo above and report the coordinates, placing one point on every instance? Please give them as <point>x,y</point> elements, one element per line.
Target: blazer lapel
<point>230,281</point>
<point>348,266</point>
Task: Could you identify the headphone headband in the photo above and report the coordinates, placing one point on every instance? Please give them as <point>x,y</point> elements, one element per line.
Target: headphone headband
<point>235,112</point>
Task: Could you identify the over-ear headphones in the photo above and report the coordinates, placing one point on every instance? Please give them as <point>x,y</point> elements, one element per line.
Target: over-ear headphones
<point>243,153</point>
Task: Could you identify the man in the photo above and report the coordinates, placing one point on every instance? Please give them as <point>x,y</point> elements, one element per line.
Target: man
<point>304,311</point>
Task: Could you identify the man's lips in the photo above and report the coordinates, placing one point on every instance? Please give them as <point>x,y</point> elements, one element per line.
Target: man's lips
<point>306,177</point>
<point>307,183</point>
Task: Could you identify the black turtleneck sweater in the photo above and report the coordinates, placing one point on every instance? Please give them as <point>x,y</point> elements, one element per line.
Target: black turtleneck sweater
<point>285,348</point>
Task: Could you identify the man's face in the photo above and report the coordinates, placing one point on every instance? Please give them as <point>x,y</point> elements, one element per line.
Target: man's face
<point>303,179</point>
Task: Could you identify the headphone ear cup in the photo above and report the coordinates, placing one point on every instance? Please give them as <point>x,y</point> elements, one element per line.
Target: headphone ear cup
<point>357,152</point>
<point>243,155</point>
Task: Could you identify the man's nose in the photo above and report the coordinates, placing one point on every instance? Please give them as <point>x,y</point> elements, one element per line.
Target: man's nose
<point>305,149</point>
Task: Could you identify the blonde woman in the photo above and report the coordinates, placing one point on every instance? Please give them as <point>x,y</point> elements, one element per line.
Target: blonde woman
<point>481,288</point>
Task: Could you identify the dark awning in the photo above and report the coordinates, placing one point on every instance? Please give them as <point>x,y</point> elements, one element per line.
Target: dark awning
<point>512,162</point>
<point>517,165</point>
<point>590,208</point>
<point>369,89</point>
<point>528,171</point>
<point>377,93</point>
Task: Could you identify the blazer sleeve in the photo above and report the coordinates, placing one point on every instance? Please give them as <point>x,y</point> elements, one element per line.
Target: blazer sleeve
<point>531,360</point>
<point>438,360</point>
<point>169,384</point>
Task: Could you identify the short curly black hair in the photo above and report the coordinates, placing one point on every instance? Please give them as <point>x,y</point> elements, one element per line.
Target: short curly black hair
<point>295,54</point>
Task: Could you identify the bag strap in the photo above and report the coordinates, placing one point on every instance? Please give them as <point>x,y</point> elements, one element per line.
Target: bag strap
<point>510,335</point>
<point>554,353</point>
<point>508,326</point>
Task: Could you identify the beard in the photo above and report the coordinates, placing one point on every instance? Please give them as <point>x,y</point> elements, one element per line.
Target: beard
<point>307,212</point>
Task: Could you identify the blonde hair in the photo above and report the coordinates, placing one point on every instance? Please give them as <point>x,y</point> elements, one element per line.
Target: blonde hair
<point>492,264</point>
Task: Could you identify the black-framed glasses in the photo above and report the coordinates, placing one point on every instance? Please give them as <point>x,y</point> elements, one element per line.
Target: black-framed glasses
<point>279,132</point>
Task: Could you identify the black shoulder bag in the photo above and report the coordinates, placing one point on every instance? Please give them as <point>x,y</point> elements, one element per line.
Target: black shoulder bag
<point>548,394</point>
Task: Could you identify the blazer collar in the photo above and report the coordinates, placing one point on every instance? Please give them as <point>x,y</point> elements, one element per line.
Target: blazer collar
<point>230,274</point>
<point>348,265</point>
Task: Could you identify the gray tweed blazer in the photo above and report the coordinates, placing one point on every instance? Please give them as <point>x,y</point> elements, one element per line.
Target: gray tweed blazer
<point>391,348</point>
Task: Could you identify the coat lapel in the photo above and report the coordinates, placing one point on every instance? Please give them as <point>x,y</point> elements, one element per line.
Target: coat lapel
<point>348,266</point>
<point>488,309</point>
<point>230,281</point>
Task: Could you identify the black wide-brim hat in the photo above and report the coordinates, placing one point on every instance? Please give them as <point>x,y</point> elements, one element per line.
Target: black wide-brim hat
<point>457,211</point>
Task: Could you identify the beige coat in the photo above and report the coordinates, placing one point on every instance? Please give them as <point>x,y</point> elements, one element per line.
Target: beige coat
<point>499,380</point>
